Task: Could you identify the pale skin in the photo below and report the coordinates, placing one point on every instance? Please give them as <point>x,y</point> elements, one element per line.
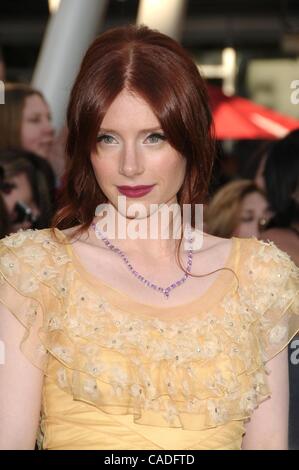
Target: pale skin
<point>37,132</point>
<point>131,157</point>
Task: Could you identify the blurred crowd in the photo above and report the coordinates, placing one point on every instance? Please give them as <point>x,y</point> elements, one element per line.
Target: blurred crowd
<point>265,204</point>
<point>30,170</point>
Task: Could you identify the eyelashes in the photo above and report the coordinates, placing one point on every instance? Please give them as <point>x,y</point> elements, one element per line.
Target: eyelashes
<point>157,135</point>
<point>108,139</point>
<point>100,138</point>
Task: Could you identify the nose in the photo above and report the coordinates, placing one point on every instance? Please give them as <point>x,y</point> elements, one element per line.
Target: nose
<point>130,162</point>
<point>48,128</point>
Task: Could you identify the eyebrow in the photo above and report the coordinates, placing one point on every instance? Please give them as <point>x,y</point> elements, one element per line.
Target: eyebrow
<point>38,113</point>
<point>142,131</point>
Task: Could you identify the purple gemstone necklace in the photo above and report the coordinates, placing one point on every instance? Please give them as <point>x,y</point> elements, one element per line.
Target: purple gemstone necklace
<point>146,282</point>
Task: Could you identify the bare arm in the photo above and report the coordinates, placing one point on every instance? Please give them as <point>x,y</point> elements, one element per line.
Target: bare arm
<point>20,389</point>
<point>268,427</point>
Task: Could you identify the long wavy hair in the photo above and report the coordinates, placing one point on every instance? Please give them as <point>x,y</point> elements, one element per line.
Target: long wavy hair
<point>157,68</point>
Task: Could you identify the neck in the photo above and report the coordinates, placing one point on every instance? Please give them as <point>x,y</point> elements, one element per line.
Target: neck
<point>149,236</point>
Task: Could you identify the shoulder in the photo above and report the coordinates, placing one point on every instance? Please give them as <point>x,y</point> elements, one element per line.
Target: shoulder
<point>269,279</point>
<point>267,276</point>
<point>250,252</point>
<point>285,239</point>
<point>35,265</point>
<point>269,253</point>
<point>32,248</point>
<point>263,261</point>
<point>24,237</point>
<point>33,237</point>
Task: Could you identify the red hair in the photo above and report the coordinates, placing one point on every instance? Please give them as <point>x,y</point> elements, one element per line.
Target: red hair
<point>158,69</point>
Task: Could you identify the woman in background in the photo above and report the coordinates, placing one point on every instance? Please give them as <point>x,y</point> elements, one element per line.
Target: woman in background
<point>238,209</point>
<point>26,123</point>
<point>25,120</point>
<point>29,190</point>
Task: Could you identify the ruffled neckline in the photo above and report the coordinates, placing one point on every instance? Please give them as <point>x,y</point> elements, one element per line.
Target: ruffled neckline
<point>224,282</point>
<point>195,374</point>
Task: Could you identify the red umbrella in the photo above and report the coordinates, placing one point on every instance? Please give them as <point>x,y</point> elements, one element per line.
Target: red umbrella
<point>238,118</point>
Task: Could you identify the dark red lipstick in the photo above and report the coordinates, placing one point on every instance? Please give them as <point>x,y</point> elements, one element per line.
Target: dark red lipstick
<point>135,191</point>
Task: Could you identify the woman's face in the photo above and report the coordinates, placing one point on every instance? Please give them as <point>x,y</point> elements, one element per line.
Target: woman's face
<point>21,192</point>
<point>36,129</point>
<point>254,213</point>
<point>132,151</point>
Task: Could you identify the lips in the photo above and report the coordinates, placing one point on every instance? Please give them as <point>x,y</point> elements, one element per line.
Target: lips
<point>135,191</point>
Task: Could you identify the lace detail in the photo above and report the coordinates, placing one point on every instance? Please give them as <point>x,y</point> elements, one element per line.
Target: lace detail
<point>195,374</point>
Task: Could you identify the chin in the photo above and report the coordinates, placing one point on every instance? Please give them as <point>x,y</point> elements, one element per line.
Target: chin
<point>44,152</point>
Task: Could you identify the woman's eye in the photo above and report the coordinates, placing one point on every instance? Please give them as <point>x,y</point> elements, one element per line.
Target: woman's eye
<point>34,120</point>
<point>107,139</point>
<point>155,138</point>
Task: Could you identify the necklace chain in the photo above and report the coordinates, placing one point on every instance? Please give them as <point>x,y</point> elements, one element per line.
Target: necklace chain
<point>165,291</point>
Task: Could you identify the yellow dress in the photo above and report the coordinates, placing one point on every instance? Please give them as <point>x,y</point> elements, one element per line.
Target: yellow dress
<point>119,374</point>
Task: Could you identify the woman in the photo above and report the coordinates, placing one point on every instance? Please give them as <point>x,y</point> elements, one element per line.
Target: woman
<point>238,209</point>
<point>28,194</point>
<point>26,123</point>
<point>114,359</point>
<point>25,120</point>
